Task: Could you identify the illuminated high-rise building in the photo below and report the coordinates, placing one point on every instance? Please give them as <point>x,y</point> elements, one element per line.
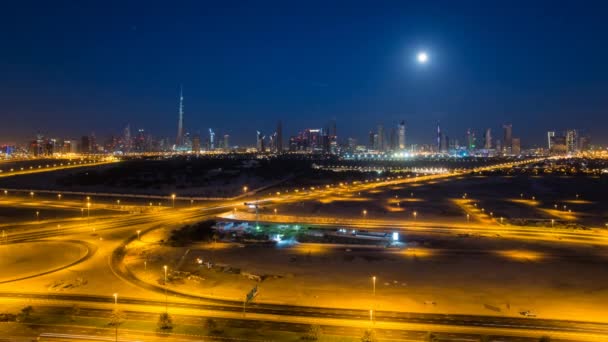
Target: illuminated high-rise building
<point>211,140</point>
<point>278,143</point>
<point>402,135</point>
<point>226,142</point>
<point>126,139</point>
<point>392,139</point>
<point>179,141</point>
<point>550,136</point>
<point>380,138</point>
<point>259,141</point>
<point>488,139</point>
<point>516,147</point>
<point>371,140</point>
<point>471,140</point>
<point>571,140</point>
<point>438,138</point>
<point>196,144</point>
<point>507,138</point>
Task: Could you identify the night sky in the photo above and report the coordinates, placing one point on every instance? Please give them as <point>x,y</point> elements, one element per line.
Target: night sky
<point>75,67</point>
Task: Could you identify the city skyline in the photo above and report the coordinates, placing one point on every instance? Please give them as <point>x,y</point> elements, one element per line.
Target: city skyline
<point>289,171</point>
<point>307,76</point>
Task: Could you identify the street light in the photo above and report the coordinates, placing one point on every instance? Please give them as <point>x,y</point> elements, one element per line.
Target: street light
<point>415,215</point>
<point>374,285</point>
<point>117,202</point>
<point>173,199</point>
<point>138,231</point>
<point>59,196</point>
<point>32,194</point>
<point>116,309</point>
<point>468,217</point>
<point>245,188</point>
<point>552,223</point>
<point>37,216</point>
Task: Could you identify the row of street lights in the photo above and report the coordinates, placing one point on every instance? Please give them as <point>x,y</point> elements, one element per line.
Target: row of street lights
<point>364,213</point>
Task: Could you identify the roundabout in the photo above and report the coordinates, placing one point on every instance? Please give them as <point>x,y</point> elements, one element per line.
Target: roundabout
<point>32,259</point>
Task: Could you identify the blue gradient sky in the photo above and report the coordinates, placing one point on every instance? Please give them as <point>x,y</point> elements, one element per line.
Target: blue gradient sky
<point>68,68</point>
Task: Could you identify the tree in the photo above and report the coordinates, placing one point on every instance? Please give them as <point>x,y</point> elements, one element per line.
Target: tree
<point>26,313</point>
<point>369,336</point>
<point>165,322</point>
<point>545,339</point>
<point>313,333</point>
<point>117,317</point>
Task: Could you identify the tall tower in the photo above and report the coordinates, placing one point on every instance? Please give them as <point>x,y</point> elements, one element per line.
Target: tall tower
<point>380,138</point>
<point>550,136</point>
<point>279,138</point>
<point>402,135</point>
<point>488,142</point>
<point>127,139</point>
<point>438,140</point>
<point>508,137</point>
<point>211,139</point>
<point>180,122</point>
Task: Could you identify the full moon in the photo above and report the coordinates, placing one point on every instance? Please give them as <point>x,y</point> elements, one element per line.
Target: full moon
<point>422,57</point>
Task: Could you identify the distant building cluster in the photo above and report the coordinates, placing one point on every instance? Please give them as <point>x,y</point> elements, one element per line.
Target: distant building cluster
<point>392,142</point>
<point>567,142</point>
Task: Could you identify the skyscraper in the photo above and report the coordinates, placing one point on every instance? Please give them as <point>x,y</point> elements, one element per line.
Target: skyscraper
<point>226,142</point>
<point>393,139</point>
<point>126,139</point>
<point>516,147</point>
<point>259,141</point>
<point>196,144</point>
<point>572,140</point>
<point>550,136</point>
<point>380,138</point>
<point>471,140</point>
<point>402,135</point>
<point>372,140</point>
<point>444,143</point>
<point>438,138</point>
<point>279,138</point>
<point>211,139</point>
<point>488,142</point>
<point>179,141</point>
<point>508,137</point>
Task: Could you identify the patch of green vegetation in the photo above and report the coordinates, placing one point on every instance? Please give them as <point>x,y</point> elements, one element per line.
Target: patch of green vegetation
<point>198,232</point>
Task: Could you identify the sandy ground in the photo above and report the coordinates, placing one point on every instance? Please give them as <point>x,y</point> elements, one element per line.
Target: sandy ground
<point>505,196</point>
<point>28,259</point>
<point>448,274</point>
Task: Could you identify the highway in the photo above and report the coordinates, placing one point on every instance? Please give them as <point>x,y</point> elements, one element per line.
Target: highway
<point>127,224</point>
<point>299,328</point>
